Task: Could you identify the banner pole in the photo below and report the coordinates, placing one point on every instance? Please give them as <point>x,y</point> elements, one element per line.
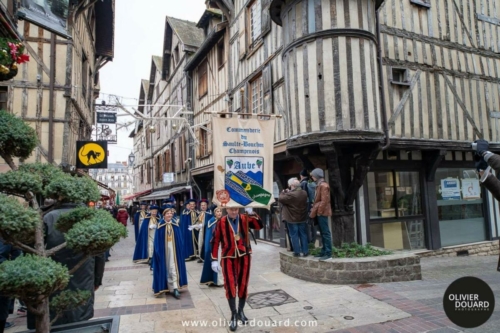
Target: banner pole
<point>244,114</point>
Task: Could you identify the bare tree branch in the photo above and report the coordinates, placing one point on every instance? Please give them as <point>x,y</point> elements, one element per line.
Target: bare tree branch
<point>26,248</point>
<point>53,250</point>
<point>77,266</point>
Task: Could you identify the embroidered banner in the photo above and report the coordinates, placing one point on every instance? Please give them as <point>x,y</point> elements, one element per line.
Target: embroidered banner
<point>243,162</point>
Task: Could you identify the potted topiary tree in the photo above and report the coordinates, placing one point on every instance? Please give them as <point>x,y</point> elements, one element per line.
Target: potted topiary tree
<point>34,276</point>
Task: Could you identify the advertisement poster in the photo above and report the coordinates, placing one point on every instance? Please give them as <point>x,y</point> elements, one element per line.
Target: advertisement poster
<point>450,189</point>
<point>471,189</point>
<point>49,14</point>
<point>243,162</point>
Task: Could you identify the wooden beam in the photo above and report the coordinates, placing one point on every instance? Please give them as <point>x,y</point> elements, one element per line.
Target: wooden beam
<point>464,27</point>
<point>464,108</point>
<point>405,97</point>
<point>432,160</point>
<point>362,166</point>
<point>492,20</point>
<point>35,56</point>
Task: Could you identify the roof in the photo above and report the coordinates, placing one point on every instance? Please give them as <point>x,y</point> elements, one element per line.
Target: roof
<point>145,86</point>
<point>210,12</point>
<point>105,28</point>
<point>212,39</point>
<point>187,31</point>
<point>158,62</point>
<point>276,5</point>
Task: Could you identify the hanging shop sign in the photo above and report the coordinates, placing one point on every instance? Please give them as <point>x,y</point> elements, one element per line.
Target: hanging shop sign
<point>92,154</point>
<point>49,14</point>
<point>106,117</point>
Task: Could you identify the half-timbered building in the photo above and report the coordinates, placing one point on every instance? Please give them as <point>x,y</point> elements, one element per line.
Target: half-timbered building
<point>55,91</point>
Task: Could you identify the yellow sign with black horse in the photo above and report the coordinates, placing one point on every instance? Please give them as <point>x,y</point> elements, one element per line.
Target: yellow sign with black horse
<point>92,154</point>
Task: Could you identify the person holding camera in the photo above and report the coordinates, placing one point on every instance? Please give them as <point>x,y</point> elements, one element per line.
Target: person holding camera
<point>294,213</point>
<point>485,161</point>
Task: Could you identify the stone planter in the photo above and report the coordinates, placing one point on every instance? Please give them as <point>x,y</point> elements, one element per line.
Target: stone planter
<point>100,325</point>
<point>388,268</point>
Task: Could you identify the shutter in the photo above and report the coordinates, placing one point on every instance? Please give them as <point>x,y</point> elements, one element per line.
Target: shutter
<point>266,17</point>
<point>247,98</point>
<point>267,87</point>
<point>197,133</point>
<point>243,34</point>
<point>209,139</point>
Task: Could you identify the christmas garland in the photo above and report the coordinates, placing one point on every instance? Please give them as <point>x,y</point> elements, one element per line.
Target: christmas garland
<point>11,52</point>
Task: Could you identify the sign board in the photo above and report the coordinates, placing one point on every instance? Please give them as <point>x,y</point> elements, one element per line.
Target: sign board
<point>92,154</point>
<point>168,177</point>
<point>243,162</point>
<point>49,14</point>
<point>450,189</point>
<point>106,132</point>
<point>471,189</point>
<point>106,118</point>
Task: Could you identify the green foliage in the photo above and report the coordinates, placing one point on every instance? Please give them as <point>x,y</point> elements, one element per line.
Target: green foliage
<point>17,138</point>
<point>16,222</point>
<point>67,188</point>
<point>96,235</point>
<point>353,250</point>
<point>29,276</point>
<point>69,299</point>
<point>67,220</point>
<point>19,183</point>
<point>46,172</point>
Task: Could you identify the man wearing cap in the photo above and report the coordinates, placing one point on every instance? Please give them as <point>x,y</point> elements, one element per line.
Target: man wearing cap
<point>189,221</point>
<point>139,216</point>
<point>204,216</point>
<point>231,235</point>
<point>144,246</point>
<point>169,267</point>
<point>322,209</point>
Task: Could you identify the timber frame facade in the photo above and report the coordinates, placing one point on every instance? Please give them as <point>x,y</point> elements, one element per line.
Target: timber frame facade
<point>55,91</point>
<point>385,96</point>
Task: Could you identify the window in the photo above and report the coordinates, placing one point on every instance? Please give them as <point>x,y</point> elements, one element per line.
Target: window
<point>3,98</point>
<point>148,140</point>
<point>422,3</point>
<point>148,171</point>
<point>255,10</point>
<point>167,161</point>
<point>311,17</point>
<point>142,174</point>
<point>400,76</point>
<point>203,142</point>
<point>176,55</point>
<point>202,79</point>
<point>395,209</point>
<point>256,95</point>
<point>84,73</point>
<point>220,53</point>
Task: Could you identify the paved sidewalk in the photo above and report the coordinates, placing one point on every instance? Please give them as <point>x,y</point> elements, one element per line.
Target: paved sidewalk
<point>277,302</point>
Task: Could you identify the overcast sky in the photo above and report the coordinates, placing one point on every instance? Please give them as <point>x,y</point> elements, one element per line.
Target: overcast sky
<point>139,30</point>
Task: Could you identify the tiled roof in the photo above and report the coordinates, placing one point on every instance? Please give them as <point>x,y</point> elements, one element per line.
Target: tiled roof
<point>187,31</point>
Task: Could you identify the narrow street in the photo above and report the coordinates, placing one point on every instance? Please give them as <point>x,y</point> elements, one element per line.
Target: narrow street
<point>391,307</point>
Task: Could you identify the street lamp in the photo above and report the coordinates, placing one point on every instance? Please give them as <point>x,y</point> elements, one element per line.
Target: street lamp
<point>131,159</point>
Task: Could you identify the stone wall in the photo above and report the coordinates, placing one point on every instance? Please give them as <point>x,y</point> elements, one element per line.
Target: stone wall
<point>389,268</point>
<point>476,249</point>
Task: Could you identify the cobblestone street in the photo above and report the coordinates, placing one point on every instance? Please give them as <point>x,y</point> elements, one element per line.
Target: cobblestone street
<point>277,299</point>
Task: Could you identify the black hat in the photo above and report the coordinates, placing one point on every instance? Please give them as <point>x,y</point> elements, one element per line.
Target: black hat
<point>167,207</point>
<point>154,207</point>
<point>204,200</point>
<point>304,173</point>
<point>167,201</point>
<point>144,203</point>
<point>190,200</point>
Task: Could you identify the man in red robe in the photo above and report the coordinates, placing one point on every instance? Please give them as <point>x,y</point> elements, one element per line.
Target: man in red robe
<point>232,235</point>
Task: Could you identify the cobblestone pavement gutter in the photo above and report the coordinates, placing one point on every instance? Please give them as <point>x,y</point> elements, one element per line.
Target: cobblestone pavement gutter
<point>391,307</point>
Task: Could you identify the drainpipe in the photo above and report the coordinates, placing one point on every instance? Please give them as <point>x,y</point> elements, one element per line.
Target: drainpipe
<point>381,85</point>
<point>52,79</point>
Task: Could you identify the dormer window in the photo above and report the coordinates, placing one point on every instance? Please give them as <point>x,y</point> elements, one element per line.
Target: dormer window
<point>176,55</point>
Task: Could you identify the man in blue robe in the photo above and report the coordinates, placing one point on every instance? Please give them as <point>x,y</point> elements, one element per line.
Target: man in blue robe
<point>144,246</point>
<point>208,276</point>
<point>189,220</point>
<point>139,216</point>
<point>204,216</point>
<point>169,266</point>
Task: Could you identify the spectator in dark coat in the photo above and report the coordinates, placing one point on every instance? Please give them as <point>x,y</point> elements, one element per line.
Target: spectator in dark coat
<point>122,216</point>
<point>7,252</point>
<point>87,277</point>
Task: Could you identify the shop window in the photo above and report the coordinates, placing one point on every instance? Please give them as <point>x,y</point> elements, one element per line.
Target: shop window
<point>460,206</point>
<point>395,209</point>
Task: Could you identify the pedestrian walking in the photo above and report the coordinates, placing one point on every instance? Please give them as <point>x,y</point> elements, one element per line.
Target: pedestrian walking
<point>231,235</point>
<point>169,266</point>
<point>322,209</point>
<point>143,252</point>
<point>208,276</point>
<point>122,215</point>
<point>190,230</point>
<point>203,217</point>
<point>294,212</point>
<point>139,216</point>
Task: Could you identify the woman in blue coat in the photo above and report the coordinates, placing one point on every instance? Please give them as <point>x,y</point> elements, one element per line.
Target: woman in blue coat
<point>208,276</point>
<point>169,266</point>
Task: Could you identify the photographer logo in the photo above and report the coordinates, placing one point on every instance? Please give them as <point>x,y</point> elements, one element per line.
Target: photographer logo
<point>469,302</point>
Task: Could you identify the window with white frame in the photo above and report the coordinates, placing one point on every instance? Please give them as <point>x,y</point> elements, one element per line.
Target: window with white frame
<point>255,10</point>
<point>256,95</point>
